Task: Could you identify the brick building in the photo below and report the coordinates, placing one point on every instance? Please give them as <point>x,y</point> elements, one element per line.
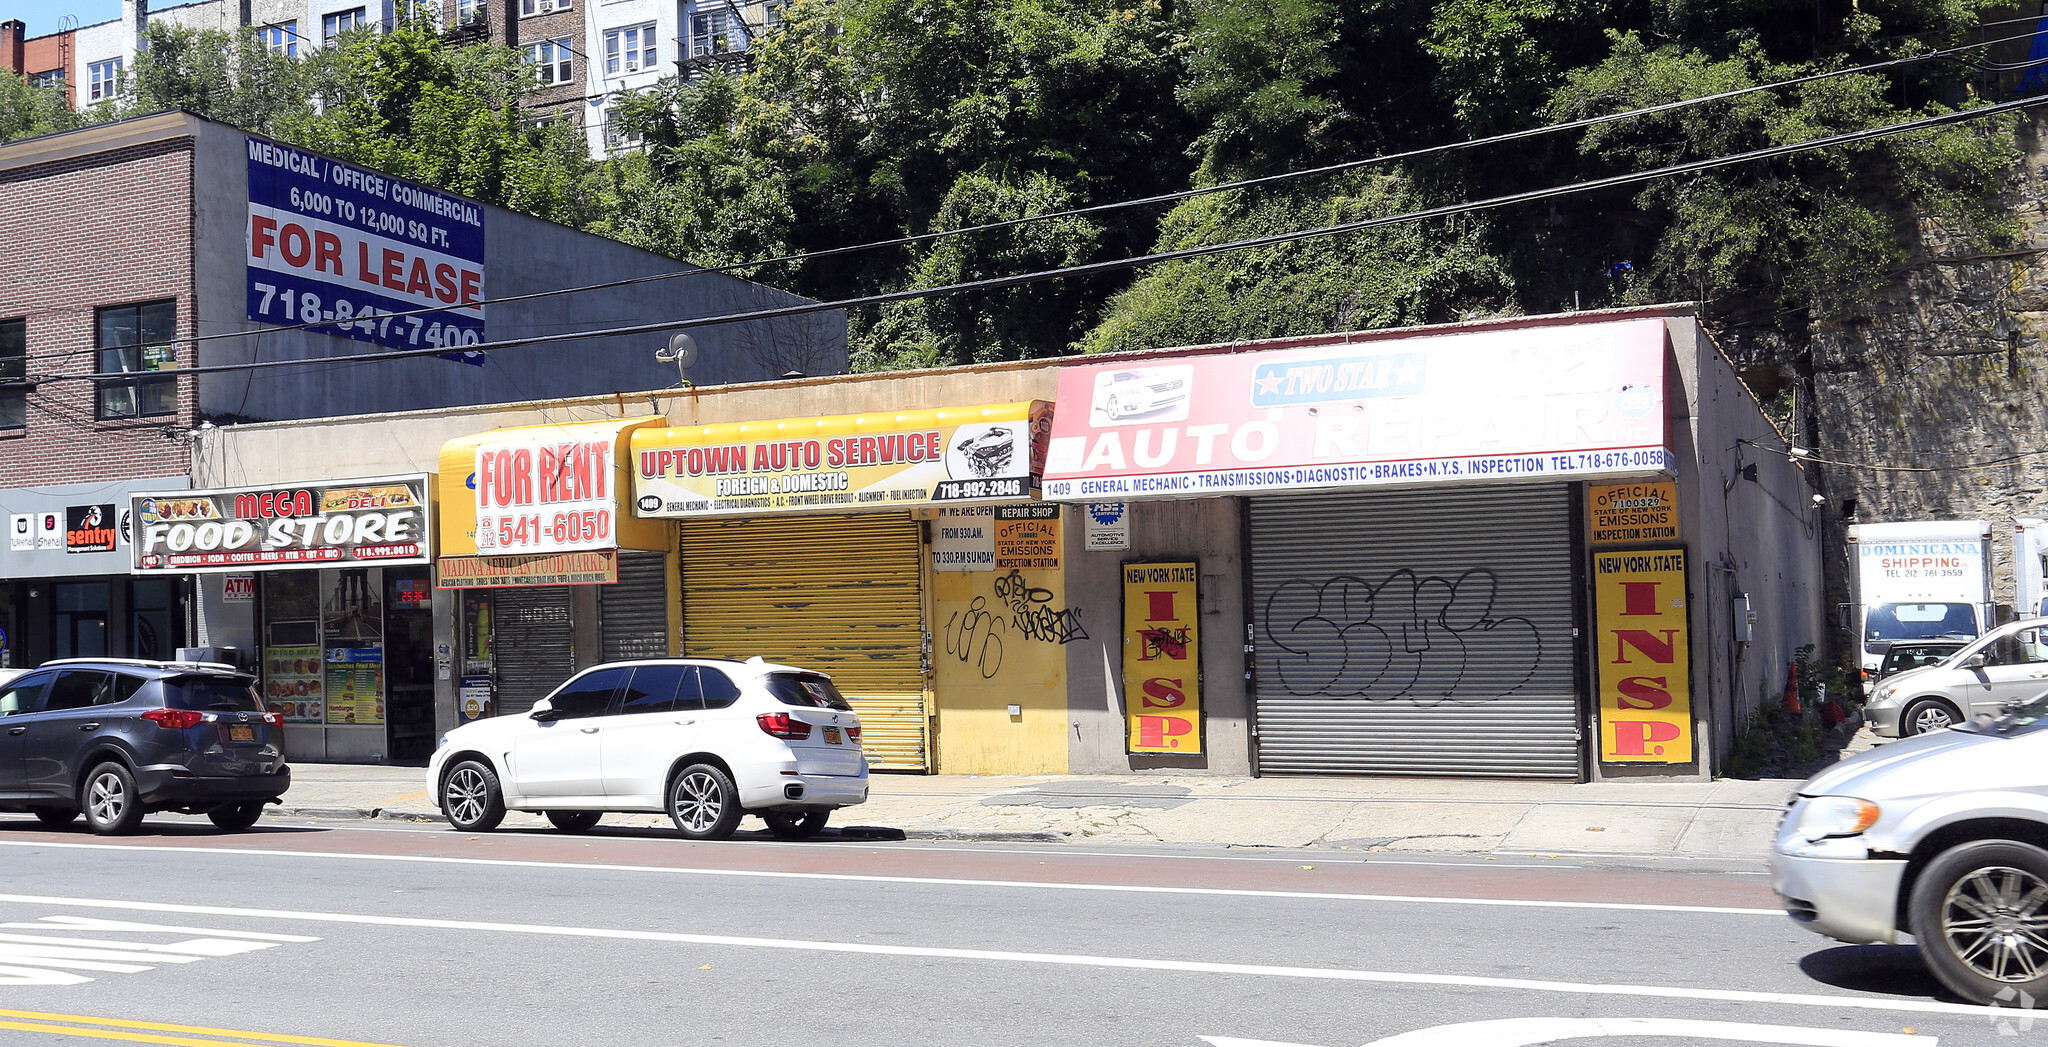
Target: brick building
<point>141,249</point>
<point>44,61</point>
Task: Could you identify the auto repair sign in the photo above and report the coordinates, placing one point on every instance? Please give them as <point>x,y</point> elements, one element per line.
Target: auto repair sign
<point>342,248</point>
<point>848,462</point>
<point>1571,400</point>
<point>331,524</point>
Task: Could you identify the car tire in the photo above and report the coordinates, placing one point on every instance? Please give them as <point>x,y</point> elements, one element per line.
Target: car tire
<point>235,817</point>
<point>574,821</point>
<point>1980,914</point>
<point>1113,407</point>
<point>704,803</point>
<point>471,798</point>
<point>1926,716</point>
<point>55,817</point>
<point>112,806</point>
<point>795,825</point>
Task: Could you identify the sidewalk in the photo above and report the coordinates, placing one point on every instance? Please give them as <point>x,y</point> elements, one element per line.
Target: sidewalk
<point>1726,819</point>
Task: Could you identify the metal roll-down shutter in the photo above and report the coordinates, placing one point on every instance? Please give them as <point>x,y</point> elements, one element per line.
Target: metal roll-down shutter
<point>839,594</point>
<point>532,647</point>
<point>1415,633</point>
<point>633,612</point>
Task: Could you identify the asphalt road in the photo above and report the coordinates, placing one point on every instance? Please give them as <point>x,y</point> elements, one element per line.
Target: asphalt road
<point>347,933</point>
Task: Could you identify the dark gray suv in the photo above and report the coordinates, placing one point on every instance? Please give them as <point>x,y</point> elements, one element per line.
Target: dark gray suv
<point>115,738</point>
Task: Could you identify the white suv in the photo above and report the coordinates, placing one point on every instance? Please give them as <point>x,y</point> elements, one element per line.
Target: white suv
<point>704,740</point>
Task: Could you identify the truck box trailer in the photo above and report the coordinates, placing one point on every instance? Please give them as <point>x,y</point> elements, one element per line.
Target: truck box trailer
<point>1919,580</point>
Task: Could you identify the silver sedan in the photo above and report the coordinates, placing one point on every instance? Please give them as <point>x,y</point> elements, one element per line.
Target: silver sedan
<point>1943,836</point>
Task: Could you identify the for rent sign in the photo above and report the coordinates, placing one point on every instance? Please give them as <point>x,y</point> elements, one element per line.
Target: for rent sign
<point>1645,656</point>
<point>343,248</point>
<point>326,524</point>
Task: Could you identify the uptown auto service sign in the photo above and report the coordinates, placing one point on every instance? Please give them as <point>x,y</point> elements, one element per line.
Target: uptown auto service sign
<point>343,248</point>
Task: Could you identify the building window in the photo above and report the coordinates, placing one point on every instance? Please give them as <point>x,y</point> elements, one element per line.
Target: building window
<point>715,32</point>
<point>281,39</point>
<point>13,369</point>
<point>470,11</point>
<point>542,119</point>
<point>629,50</point>
<point>52,78</point>
<point>773,12</point>
<point>529,8</point>
<point>550,61</point>
<point>138,339</point>
<point>340,22</point>
<point>106,79</point>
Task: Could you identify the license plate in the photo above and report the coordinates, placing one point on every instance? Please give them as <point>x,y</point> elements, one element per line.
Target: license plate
<point>832,736</point>
<point>241,734</point>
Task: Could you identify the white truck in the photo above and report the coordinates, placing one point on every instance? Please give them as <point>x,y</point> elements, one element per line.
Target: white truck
<point>2029,581</point>
<point>1923,580</point>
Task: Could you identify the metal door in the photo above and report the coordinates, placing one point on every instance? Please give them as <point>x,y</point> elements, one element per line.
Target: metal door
<point>1415,633</point>
<point>634,610</point>
<point>532,648</point>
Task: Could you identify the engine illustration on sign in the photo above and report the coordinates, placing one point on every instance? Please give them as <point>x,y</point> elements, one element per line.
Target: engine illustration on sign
<point>982,451</point>
<point>1411,638</point>
<point>1141,395</point>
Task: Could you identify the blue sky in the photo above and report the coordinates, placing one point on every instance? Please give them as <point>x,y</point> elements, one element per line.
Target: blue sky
<point>42,15</point>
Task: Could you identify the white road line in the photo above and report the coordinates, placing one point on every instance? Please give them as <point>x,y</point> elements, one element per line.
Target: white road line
<point>1527,1032</point>
<point>929,881</point>
<point>1050,959</point>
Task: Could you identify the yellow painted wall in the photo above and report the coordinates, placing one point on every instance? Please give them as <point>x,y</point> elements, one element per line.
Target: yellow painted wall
<point>987,656</point>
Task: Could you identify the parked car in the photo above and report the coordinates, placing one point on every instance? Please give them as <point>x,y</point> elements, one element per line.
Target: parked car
<point>1943,836</point>
<point>1915,654</point>
<point>705,741</point>
<point>2009,663</point>
<point>116,738</point>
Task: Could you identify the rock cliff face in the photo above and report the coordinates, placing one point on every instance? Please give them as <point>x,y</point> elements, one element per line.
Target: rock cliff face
<point>1931,403</point>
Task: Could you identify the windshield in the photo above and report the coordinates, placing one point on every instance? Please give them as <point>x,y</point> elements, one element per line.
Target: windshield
<point>817,691</point>
<point>1916,621</point>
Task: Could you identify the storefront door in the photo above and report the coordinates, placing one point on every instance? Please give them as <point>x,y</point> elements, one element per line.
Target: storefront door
<point>83,609</point>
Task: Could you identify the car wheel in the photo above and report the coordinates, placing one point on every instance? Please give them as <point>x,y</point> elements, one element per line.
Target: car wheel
<point>55,817</point>
<point>111,805</point>
<point>1113,407</point>
<point>471,798</point>
<point>1925,716</point>
<point>704,803</point>
<point>795,825</point>
<point>574,821</point>
<point>236,817</point>
<point>1980,914</point>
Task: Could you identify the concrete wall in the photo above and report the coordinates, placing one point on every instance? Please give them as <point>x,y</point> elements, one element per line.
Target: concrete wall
<point>1758,537</point>
<point>523,255</point>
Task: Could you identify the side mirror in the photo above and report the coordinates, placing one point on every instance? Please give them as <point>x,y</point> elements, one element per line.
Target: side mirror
<point>544,712</point>
<point>1975,661</point>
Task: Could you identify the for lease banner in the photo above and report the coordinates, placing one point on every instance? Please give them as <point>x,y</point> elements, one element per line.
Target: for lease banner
<point>884,460</point>
<point>1572,400</point>
<point>335,523</point>
<point>1162,657</point>
<point>343,248</point>
<point>1645,656</point>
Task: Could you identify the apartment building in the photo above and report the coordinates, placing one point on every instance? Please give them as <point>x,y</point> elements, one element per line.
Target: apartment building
<point>44,61</point>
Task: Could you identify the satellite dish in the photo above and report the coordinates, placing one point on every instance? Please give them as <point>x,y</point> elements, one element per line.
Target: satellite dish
<point>681,351</point>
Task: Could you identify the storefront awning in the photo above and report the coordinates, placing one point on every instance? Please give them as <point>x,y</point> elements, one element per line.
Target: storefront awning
<point>1565,401</point>
<point>542,490</point>
<point>842,463</point>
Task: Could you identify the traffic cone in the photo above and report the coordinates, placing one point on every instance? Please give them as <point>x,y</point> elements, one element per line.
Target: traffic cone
<point>1792,688</point>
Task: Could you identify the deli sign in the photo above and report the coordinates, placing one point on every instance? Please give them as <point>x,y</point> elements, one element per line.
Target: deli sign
<point>334,523</point>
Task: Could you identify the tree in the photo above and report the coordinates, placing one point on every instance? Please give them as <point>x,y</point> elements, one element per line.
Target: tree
<point>27,111</point>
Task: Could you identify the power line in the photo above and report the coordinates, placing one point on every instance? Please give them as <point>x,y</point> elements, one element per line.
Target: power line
<point>1178,195</point>
<point>1114,265</point>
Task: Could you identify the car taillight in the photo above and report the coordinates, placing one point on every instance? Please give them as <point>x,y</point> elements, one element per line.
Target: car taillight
<point>781,726</point>
<point>175,719</point>
<point>274,719</point>
<point>853,733</point>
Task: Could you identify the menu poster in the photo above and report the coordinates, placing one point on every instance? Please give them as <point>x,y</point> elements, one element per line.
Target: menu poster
<point>293,685</point>
<point>355,685</point>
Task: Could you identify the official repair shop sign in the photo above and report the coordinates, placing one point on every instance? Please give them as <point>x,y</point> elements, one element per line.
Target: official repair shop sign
<point>1566,401</point>
<point>343,248</point>
<point>335,523</point>
<point>883,460</point>
<point>1163,657</point>
<point>1645,656</point>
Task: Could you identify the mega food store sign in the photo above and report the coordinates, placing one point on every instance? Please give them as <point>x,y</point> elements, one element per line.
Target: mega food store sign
<point>381,521</point>
<point>1567,401</point>
<point>887,460</point>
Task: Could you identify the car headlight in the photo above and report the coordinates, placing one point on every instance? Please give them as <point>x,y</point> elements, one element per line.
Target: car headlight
<point>1887,692</point>
<point>1828,816</point>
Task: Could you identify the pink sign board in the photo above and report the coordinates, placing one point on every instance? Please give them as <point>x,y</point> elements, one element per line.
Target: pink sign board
<point>1569,401</point>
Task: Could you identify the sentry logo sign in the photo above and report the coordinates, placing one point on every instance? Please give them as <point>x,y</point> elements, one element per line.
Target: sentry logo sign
<point>342,248</point>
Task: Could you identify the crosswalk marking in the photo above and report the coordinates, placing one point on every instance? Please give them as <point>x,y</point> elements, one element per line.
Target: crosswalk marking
<point>52,958</point>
